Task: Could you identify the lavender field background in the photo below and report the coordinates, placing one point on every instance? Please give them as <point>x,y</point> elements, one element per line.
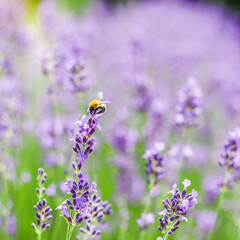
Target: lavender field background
<point>170,70</point>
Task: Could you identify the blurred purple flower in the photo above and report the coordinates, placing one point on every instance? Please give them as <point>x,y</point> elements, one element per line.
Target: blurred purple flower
<point>188,107</point>
<point>123,139</point>
<point>155,163</point>
<point>210,185</point>
<point>51,190</point>
<point>25,176</point>
<point>11,225</point>
<point>145,220</point>
<point>205,221</point>
<point>231,158</point>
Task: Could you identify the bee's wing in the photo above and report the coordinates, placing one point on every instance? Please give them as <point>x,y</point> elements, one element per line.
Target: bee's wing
<point>99,96</point>
<point>104,102</point>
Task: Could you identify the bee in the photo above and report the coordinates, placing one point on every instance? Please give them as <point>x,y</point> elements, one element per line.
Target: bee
<point>96,106</point>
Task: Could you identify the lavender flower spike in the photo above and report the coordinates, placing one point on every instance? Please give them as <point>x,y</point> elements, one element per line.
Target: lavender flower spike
<point>176,209</point>
<point>189,106</point>
<point>231,158</point>
<point>155,163</point>
<point>43,212</point>
<point>83,205</point>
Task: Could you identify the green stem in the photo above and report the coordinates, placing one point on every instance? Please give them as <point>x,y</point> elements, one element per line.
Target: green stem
<point>166,235</point>
<point>146,209</point>
<point>218,211</point>
<point>123,219</point>
<point>39,236</point>
<point>238,235</point>
<point>70,230</point>
<point>67,231</point>
<point>185,137</point>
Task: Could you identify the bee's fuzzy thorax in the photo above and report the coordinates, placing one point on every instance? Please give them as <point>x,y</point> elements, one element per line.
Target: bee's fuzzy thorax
<point>94,103</point>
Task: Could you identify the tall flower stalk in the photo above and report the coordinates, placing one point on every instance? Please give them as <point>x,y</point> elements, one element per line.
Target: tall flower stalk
<point>154,172</point>
<point>43,212</point>
<point>84,204</point>
<point>231,165</point>
<point>176,209</point>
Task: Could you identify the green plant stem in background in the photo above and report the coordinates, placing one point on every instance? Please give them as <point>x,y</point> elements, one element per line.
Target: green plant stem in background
<point>185,138</point>
<point>122,230</point>
<point>147,208</point>
<point>218,211</point>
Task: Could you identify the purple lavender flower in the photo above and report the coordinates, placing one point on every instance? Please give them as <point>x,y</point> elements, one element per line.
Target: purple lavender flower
<point>231,158</point>
<point>11,225</point>
<point>123,139</point>
<point>52,130</point>
<point>84,204</point>
<point>127,173</point>
<point>205,221</point>
<point>84,141</point>
<point>155,163</point>
<point>43,212</point>
<point>145,220</point>
<point>188,107</point>
<point>210,186</point>
<point>177,208</point>
<point>231,155</point>
<point>7,218</point>
<point>77,76</point>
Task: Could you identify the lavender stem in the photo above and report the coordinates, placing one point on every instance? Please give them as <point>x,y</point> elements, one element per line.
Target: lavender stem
<point>146,209</point>
<point>218,208</point>
<point>166,235</point>
<point>39,236</point>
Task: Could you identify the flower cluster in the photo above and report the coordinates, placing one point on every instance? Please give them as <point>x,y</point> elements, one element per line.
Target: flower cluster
<point>97,209</point>
<point>86,205</point>
<point>155,163</point>
<point>43,212</point>
<point>84,140</point>
<point>231,158</point>
<point>176,208</point>
<point>188,107</point>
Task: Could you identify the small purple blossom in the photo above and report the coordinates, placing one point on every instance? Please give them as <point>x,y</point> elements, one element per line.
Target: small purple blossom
<point>155,163</point>
<point>77,76</point>
<point>145,220</point>
<point>205,221</point>
<point>231,158</point>
<point>189,106</point>
<point>84,141</point>
<point>231,153</point>
<point>43,212</point>
<point>11,223</point>
<point>177,208</point>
